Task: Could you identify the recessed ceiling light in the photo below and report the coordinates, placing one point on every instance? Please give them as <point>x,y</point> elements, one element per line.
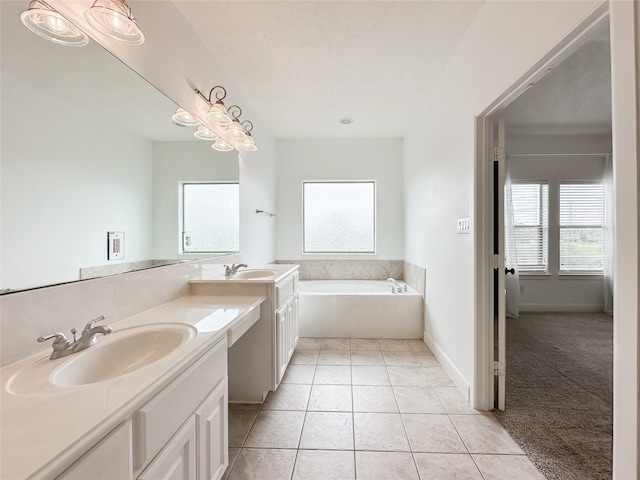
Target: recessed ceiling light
<point>346,120</point>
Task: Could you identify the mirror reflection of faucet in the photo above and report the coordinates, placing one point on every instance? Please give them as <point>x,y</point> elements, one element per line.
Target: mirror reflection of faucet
<point>62,346</point>
<point>231,271</point>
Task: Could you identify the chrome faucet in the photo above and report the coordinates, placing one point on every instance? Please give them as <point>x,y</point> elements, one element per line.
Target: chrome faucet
<point>231,271</point>
<point>397,287</point>
<point>62,346</point>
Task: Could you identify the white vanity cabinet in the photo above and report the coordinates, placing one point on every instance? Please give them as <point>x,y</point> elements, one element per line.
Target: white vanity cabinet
<point>286,323</point>
<point>182,432</point>
<point>111,458</point>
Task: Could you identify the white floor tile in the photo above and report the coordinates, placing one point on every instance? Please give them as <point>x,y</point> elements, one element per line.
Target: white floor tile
<point>380,431</point>
<point>327,431</point>
<point>288,397</point>
<point>374,399</point>
<point>276,429</point>
<point>332,375</point>
<point>507,467</point>
<point>418,400</point>
<point>336,344</point>
<point>324,465</point>
<point>447,466</point>
<point>371,357</point>
<point>432,433</point>
<point>263,464</point>
<point>369,375</point>
<point>360,344</point>
<point>331,398</point>
<point>408,376</point>
<point>334,357</point>
<point>385,466</point>
<point>484,434</point>
<point>302,374</point>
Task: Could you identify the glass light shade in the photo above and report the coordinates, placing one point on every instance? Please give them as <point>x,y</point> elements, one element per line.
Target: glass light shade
<point>218,114</point>
<point>222,146</point>
<point>203,133</point>
<point>184,118</point>
<point>235,130</point>
<point>47,23</point>
<point>248,144</point>
<point>114,19</point>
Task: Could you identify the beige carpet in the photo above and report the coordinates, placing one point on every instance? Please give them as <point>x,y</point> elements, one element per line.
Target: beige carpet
<point>559,392</point>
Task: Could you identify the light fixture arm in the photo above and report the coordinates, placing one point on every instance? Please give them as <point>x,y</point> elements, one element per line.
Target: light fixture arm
<point>247,126</point>
<point>220,94</point>
<point>234,112</point>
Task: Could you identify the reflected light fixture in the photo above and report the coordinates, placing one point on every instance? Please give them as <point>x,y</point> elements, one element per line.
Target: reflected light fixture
<point>184,118</point>
<point>44,21</point>
<point>221,145</point>
<point>204,133</point>
<point>114,19</point>
<point>219,124</point>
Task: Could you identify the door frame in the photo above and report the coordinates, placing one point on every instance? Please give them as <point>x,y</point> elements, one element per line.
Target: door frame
<point>482,395</point>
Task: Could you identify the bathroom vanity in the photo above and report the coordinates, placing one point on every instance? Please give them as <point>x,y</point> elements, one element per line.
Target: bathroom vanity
<point>150,399</point>
<point>274,337</point>
<point>167,418</point>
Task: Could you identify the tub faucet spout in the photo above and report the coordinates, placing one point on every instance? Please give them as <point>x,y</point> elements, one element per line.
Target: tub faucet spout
<point>395,286</point>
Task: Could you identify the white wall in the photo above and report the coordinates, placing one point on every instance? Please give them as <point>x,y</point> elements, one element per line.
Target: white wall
<point>64,187</point>
<point>555,292</point>
<point>503,42</point>
<point>367,159</point>
<point>175,162</point>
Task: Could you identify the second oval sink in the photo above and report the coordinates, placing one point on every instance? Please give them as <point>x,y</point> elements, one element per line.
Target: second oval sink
<point>122,352</point>
<point>255,273</point>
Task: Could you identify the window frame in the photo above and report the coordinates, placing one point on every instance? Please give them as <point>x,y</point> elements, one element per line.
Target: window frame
<point>375,218</point>
<point>561,271</point>
<point>181,219</point>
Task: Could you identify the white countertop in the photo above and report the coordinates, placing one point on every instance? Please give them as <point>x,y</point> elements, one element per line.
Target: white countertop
<point>40,430</point>
<point>213,274</point>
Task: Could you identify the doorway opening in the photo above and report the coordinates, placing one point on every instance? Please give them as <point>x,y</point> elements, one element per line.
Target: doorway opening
<point>550,375</point>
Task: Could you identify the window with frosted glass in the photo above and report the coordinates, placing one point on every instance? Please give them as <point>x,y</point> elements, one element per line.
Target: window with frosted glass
<point>210,217</point>
<point>531,225</point>
<point>339,217</point>
<point>581,220</point>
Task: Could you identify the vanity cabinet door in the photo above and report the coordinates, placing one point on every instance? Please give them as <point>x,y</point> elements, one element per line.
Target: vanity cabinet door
<point>283,334</point>
<point>111,458</point>
<point>177,460</point>
<point>293,325</point>
<point>212,439</point>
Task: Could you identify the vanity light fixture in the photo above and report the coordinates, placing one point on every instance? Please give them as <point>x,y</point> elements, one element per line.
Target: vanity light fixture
<point>114,19</point>
<point>184,118</point>
<point>217,113</point>
<point>44,21</point>
<point>234,130</point>
<point>247,143</point>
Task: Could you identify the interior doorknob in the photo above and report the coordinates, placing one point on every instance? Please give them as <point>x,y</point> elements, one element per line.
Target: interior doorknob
<point>508,271</point>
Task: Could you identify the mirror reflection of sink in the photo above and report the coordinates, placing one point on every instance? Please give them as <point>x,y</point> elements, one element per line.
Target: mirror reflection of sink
<point>122,352</point>
<point>255,273</point>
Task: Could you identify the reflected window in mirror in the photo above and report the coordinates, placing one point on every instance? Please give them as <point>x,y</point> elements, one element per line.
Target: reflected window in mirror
<point>210,220</point>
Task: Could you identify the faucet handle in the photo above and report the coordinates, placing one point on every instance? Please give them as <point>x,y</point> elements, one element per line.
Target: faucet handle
<point>91,323</point>
<point>60,341</point>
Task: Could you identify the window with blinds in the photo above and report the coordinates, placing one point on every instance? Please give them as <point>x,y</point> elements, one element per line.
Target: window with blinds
<point>581,221</point>
<point>531,225</point>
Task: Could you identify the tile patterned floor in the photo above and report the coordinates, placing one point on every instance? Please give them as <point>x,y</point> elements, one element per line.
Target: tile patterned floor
<point>361,409</point>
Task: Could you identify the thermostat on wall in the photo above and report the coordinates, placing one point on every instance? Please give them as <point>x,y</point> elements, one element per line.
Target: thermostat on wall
<point>115,245</point>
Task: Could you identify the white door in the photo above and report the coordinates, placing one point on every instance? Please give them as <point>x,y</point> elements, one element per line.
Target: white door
<point>499,297</point>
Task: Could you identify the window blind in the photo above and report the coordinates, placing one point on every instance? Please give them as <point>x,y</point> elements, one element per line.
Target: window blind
<point>531,225</point>
<point>581,220</point>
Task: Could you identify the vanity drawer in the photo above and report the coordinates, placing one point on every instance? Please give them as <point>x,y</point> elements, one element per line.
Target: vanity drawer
<point>284,291</point>
<point>158,420</point>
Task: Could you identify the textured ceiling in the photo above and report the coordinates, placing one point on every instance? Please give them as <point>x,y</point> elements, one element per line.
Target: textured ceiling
<point>305,64</point>
<point>574,98</point>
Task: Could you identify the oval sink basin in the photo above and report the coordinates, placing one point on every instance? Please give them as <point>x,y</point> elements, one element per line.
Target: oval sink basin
<point>125,354</point>
<point>255,273</point>
<point>114,355</point>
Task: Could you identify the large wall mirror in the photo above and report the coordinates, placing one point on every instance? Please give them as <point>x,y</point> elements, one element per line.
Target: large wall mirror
<point>87,147</point>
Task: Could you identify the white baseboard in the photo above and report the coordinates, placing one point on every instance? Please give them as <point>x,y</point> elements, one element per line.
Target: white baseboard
<point>536,307</point>
<point>449,367</point>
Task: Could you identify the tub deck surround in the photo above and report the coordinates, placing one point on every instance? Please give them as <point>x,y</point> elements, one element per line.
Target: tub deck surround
<point>359,309</point>
<point>43,433</point>
<point>325,269</point>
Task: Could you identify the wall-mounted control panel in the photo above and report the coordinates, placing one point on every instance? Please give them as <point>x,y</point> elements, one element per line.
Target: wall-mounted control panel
<point>464,225</point>
<point>115,245</point>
